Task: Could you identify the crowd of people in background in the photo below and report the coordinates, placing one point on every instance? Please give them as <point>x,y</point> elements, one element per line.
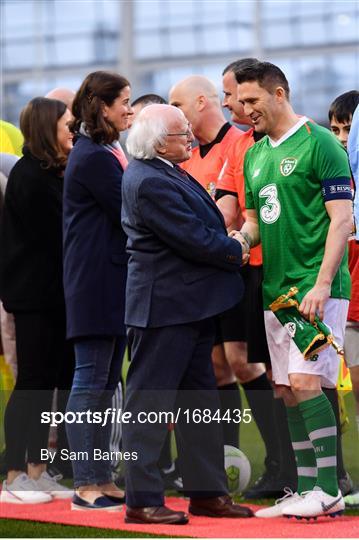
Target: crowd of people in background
<point>176,253</point>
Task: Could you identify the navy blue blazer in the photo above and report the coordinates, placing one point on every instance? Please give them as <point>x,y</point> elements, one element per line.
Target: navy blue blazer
<point>183,267</point>
<point>95,260</point>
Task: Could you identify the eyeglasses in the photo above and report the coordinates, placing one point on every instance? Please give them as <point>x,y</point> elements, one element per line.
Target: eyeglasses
<point>188,133</point>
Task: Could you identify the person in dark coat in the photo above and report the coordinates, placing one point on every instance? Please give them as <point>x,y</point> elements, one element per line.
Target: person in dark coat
<point>95,270</point>
<point>31,288</point>
<point>183,270</point>
<point>7,324</point>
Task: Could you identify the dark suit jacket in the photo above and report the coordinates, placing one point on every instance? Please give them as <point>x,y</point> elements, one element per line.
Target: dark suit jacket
<point>182,267</point>
<point>95,260</point>
<point>31,238</point>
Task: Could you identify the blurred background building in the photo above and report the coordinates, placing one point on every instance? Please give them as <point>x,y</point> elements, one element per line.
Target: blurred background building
<point>48,43</point>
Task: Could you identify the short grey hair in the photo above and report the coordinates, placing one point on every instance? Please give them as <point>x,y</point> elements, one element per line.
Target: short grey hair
<point>145,133</point>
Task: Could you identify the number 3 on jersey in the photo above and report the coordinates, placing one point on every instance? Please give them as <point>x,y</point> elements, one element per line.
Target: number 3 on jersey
<point>270,211</point>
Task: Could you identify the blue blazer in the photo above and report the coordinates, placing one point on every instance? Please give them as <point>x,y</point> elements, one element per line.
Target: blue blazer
<point>182,266</point>
<point>95,260</point>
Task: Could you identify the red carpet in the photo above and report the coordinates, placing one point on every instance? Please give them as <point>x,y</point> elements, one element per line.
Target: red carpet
<point>201,527</point>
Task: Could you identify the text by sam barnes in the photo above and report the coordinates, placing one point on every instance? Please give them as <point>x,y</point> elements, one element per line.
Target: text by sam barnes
<point>96,454</point>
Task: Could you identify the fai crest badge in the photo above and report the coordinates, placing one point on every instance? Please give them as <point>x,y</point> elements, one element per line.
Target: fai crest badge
<point>287,165</point>
<point>291,328</point>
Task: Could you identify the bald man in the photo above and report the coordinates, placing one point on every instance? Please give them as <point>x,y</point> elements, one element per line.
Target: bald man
<point>62,94</point>
<point>219,155</point>
<point>197,97</point>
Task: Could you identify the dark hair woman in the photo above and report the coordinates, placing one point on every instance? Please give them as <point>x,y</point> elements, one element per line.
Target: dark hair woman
<point>95,271</point>
<point>31,288</point>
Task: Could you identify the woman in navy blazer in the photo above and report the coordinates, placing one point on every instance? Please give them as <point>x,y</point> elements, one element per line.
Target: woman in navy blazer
<point>95,270</point>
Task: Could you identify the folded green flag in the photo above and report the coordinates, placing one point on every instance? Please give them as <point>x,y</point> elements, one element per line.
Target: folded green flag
<point>310,338</point>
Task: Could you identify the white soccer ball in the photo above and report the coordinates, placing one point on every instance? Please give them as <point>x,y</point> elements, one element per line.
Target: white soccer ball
<point>238,469</point>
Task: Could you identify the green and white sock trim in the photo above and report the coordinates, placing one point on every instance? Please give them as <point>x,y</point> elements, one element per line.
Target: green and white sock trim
<point>323,432</point>
<point>303,450</point>
<point>321,427</point>
<point>310,472</point>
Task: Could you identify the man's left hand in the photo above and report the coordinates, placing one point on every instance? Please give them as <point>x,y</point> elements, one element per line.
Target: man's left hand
<point>314,301</point>
<point>245,246</point>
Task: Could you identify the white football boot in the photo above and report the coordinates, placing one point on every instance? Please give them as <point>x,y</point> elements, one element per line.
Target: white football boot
<point>23,490</point>
<point>277,509</point>
<point>50,484</point>
<point>314,504</point>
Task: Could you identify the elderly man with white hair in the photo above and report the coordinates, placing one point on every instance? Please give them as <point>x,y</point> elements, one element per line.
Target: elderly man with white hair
<point>183,270</point>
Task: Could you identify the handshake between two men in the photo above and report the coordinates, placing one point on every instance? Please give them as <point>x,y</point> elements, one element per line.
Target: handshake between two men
<point>244,239</point>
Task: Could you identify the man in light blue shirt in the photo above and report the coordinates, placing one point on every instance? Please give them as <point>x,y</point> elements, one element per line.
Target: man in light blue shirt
<point>346,129</point>
<point>353,152</point>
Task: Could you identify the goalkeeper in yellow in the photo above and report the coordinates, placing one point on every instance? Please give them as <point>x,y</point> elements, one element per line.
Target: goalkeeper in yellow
<point>298,201</point>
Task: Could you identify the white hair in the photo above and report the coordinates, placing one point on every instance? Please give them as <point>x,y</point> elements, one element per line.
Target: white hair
<point>146,132</point>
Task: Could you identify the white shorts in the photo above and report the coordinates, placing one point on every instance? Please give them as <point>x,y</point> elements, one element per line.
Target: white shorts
<point>286,358</point>
<point>351,344</point>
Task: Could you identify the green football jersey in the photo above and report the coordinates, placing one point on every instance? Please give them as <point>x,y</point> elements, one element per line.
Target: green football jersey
<point>288,183</point>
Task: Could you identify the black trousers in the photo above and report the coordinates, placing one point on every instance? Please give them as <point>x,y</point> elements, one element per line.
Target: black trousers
<point>45,361</point>
<point>171,370</point>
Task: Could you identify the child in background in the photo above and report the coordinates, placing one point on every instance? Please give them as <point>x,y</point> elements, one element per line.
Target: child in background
<point>340,117</point>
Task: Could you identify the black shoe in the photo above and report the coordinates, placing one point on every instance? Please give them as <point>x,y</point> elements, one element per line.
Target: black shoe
<point>118,479</point>
<point>270,484</point>
<point>118,500</point>
<point>264,488</point>
<point>3,469</point>
<point>345,485</point>
<point>267,488</point>
<point>101,503</point>
<point>172,479</point>
<point>65,470</point>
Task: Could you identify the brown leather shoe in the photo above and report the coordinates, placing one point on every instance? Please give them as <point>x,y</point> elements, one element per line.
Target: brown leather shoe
<point>219,507</point>
<point>155,514</point>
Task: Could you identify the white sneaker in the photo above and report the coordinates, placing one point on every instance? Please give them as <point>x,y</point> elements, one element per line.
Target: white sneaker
<point>277,509</point>
<point>50,484</point>
<point>23,490</point>
<point>316,503</point>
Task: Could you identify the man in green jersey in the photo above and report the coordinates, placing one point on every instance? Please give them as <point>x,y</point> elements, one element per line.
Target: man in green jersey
<point>298,201</point>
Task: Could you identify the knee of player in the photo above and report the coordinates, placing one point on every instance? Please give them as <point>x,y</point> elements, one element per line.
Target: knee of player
<point>302,383</point>
<point>236,354</point>
<point>249,372</point>
<point>282,392</point>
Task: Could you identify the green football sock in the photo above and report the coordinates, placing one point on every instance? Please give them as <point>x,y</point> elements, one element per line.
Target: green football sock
<point>321,427</point>
<point>303,450</point>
